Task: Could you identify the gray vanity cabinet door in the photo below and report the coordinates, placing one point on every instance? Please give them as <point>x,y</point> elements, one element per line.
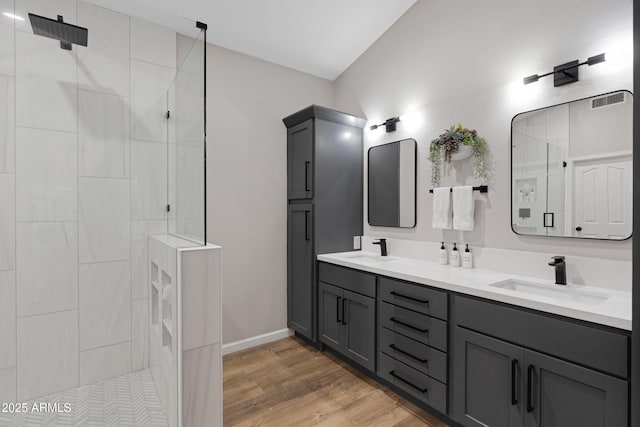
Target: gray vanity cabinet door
<point>360,329</point>
<point>300,161</point>
<point>488,382</point>
<point>330,315</point>
<point>300,262</point>
<point>347,323</point>
<point>564,394</point>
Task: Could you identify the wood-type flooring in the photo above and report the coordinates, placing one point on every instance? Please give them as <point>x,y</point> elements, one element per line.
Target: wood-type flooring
<point>290,383</point>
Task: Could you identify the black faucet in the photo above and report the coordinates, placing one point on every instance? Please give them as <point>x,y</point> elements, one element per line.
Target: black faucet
<point>561,270</point>
<point>383,246</point>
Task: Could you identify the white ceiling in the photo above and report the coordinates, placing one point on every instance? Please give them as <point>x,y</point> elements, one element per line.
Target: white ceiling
<point>319,37</point>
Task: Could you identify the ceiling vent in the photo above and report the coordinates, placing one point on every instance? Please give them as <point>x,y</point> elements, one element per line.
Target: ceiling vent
<point>605,101</point>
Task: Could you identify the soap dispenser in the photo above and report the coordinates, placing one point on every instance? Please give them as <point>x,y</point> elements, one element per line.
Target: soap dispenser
<point>443,257</point>
<point>467,258</point>
<point>454,258</point>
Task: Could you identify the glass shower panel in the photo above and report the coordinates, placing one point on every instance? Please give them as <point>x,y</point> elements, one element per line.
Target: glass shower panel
<point>186,148</point>
<point>539,150</point>
<point>529,187</point>
<point>556,184</point>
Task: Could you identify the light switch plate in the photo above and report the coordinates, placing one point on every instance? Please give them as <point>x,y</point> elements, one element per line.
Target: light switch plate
<point>357,242</point>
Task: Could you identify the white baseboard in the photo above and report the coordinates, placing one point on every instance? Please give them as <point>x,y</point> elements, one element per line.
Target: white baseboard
<point>234,347</point>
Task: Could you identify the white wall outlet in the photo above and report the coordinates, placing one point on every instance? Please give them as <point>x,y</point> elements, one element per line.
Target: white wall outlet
<point>357,242</point>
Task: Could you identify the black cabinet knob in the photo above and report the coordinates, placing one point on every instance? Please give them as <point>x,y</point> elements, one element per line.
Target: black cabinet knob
<point>578,228</point>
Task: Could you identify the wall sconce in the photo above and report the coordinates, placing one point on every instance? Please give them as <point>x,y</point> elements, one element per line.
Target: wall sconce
<point>389,124</point>
<point>566,73</point>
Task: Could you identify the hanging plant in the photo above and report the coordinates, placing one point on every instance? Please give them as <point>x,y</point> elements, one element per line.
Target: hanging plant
<point>449,144</point>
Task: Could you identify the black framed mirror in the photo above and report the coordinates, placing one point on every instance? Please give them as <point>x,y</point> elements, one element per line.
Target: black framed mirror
<point>571,169</point>
<point>392,184</point>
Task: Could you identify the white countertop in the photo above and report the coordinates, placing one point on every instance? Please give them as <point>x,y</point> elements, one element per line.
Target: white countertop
<point>614,311</point>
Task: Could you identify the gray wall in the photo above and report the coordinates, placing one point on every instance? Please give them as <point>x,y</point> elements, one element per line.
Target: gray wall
<point>434,75</point>
<point>246,182</point>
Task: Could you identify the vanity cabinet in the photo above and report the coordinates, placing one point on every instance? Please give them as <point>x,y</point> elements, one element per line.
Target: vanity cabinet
<point>324,192</point>
<point>501,378</point>
<point>347,319</point>
<point>476,361</point>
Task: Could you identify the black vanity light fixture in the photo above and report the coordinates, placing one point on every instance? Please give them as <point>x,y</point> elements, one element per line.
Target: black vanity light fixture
<point>566,73</point>
<point>389,124</point>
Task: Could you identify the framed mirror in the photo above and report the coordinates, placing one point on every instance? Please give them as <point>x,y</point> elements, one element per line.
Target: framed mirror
<point>392,184</point>
<point>571,169</point>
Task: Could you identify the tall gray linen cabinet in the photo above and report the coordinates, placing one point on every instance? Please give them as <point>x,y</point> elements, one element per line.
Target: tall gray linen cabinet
<point>324,209</point>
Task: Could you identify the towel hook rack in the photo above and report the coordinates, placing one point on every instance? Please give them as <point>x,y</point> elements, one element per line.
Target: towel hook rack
<point>480,188</point>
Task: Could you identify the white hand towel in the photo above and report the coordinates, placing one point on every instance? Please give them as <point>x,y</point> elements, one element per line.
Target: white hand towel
<point>441,208</point>
<point>463,208</point>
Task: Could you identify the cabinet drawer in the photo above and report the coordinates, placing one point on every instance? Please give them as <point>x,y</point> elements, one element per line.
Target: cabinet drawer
<point>414,297</point>
<point>421,357</point>
<point>427,330</point>
<point>577,342</point>
<point>346,278</point>
<point>415,383</point>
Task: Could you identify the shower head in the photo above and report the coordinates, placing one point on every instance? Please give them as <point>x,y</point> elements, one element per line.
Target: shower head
<point>68,34</point>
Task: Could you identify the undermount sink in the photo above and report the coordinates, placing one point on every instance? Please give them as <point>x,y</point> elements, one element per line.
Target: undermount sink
<point>561,292</point>
<point>367,258</point>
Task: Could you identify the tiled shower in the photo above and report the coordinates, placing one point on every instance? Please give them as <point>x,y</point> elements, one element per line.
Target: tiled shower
<point>91,164</point>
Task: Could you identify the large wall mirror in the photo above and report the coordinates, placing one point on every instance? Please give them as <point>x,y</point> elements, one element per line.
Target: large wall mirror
<point>392,184</point>
<point>571,169</point>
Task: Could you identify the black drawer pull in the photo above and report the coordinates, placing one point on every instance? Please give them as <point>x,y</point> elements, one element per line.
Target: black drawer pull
<point>306,225</point>
<point>417,359</point>
<point>415,328</point>
<point>344,316</point>
<point>530,371</point>
<point>514,372</point>
<point>422,301</point>
<point>306,175</point>
<point>338,309</point>
<point>409,383</point>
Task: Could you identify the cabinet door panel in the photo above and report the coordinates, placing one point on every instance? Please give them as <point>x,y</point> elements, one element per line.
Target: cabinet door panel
<point>564,394</point>
<point>359,329</point>
<point>300,161</point>
<point>330,315</point>
<point>300,287</point>
<point>488,381</point>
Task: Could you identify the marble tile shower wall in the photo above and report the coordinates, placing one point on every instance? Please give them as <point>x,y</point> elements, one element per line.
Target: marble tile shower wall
<point>82,183</point>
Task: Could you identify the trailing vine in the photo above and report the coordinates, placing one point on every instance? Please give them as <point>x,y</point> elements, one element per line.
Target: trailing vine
<point>448,143</point>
